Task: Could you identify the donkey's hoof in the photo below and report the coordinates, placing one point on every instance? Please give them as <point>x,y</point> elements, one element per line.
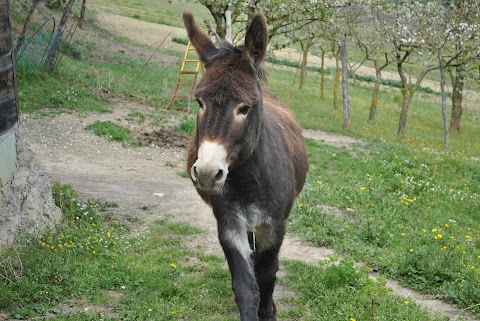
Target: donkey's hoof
<point>268,316</point>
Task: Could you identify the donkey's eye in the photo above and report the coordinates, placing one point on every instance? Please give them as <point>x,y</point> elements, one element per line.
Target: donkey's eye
<point>200,104</point>
<point>243,110</point>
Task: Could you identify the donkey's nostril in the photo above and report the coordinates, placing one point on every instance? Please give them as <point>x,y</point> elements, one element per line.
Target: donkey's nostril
<point>219,175</point>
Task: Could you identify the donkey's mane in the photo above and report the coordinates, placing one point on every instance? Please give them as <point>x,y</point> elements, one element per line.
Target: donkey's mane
<point>231,56</point>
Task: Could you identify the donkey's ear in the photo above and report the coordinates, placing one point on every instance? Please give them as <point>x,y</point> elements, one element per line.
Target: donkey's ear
<point>256,40</point>
<point>202,43</point>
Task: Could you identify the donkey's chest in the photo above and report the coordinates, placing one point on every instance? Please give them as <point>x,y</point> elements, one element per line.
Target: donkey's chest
<point>250,218</point>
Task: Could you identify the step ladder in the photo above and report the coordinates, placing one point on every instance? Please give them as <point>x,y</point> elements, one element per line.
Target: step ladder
<point>187,77</point>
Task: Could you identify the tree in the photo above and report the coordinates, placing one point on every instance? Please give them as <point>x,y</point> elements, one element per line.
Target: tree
<point>52,54</point>
<point>283,17</point>
<point>444,100</point>
<point>81,19</point>
<point>369,37</point>
<point>463,17</point>
<point>415,28</point>
<point>305,44</point>
<point>346,95</point>
<point>21,36</point>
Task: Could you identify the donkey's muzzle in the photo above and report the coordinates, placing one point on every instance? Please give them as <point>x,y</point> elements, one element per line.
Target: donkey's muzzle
<point>210,170</point>
<point>208,177</point>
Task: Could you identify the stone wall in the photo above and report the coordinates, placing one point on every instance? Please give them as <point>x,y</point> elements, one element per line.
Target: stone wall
<point>26,203</point>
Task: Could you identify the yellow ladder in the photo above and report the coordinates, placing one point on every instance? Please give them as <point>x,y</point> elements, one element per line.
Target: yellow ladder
<point>188,73</point>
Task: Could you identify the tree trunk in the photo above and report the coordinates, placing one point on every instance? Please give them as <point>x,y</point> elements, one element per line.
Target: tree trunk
<point>82,14</point>
<point>405,94</point>
<point>346,96</point>
<point>404,113</point>
<point>228,24</point>
<point>376,90</point>
<point>457,98</point>
<point>444,101</point>
<point>336,81</point>
<point>305,45</point>
<point>21,36</point>
<point>52,54</point>
<point>322,77</point>
<point>221,28</point>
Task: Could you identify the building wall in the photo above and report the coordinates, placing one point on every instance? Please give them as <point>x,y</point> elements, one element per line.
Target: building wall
<point>8,98</point>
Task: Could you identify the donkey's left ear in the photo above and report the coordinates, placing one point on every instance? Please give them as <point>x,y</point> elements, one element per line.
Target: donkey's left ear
<point>256,41</point>
<point>202,43</point>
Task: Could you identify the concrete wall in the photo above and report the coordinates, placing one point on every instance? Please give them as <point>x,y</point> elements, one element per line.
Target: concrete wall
<point>8,157</point>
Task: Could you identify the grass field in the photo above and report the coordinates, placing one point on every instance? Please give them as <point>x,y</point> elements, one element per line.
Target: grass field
<point>407,209</point>
<point>90,263</point>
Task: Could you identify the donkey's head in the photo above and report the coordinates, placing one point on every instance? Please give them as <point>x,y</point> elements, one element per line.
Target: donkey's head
<point>229,120</point>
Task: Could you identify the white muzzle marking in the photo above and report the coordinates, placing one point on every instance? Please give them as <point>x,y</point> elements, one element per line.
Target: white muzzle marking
<point>210,170</point>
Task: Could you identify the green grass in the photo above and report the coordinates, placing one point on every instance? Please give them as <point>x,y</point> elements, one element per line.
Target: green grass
<point>412,215</point>
<point>43,93</point>
<point>186,126</point>
<point>113,132</point>
<point>88,85</point>
<point>161,12</point>
<point>90,260</point>
<point>424,126</point>
<point>339,291</point>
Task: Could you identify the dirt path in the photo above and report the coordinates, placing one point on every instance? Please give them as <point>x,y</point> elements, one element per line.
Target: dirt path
<point>145,182</point>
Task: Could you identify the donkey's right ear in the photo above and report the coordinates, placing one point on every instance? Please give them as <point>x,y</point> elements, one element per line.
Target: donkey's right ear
<point>202,43</point>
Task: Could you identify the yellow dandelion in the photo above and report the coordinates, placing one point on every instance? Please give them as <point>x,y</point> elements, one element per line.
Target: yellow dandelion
<point>434,230</point>
<point>353,319</point>
<point>108,234</point>
<point>60,245</point>
<point>467,236</point>
<point>411,250</point>
<point>94,252</point>
<point>402,234</point>
<point>363,188</point>
<point>173,266</point>
<point>407,302</point>
<point>446,225</point>
<point>424,231</point>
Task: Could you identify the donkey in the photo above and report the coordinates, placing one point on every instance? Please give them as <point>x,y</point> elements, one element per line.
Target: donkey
<point>247,160</point>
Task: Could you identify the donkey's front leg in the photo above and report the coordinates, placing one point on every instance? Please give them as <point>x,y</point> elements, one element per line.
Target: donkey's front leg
<point>268,242</point>
<point>238,253</point>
